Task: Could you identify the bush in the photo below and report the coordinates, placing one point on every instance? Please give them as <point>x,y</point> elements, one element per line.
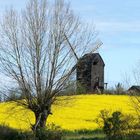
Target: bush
<point>80,89</point>
<point>52,132</point>
<point>7,133</point>
<point>115,125</point>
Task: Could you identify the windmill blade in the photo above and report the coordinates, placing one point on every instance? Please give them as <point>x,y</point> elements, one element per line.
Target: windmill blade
<point>71,47</point>
<point>97,45</point>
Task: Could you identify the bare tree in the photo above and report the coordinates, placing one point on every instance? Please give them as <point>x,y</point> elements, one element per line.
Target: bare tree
<point>39,49</point>
<point>135,94</point>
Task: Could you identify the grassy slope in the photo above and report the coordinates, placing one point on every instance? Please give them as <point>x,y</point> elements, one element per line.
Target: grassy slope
<point>73,113</point>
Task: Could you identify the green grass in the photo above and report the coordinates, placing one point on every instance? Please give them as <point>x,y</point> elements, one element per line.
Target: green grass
<point>83,134</point>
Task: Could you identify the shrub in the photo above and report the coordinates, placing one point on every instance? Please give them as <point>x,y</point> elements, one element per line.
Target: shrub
<point>115,125</point>
<point>7,133</point>
<point>51,132</point>
<point>80,89</point>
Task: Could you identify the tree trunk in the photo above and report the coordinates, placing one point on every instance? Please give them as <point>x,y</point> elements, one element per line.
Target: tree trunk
<point>40,119</point>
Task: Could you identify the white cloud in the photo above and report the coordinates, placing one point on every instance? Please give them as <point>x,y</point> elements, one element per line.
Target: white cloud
<point>131,26</point>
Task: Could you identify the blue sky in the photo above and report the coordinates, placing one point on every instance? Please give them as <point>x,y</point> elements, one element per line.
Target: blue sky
<point>118,24</point>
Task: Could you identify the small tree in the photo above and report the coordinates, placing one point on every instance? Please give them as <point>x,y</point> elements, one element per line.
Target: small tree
<point>119,89</point>
<point>39,49</point>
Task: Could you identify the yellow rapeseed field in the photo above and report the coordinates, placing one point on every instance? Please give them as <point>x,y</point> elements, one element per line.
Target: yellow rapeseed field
<point>70,113</point>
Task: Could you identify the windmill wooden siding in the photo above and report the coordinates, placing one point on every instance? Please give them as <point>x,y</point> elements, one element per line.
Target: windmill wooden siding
<point>90,72</point>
